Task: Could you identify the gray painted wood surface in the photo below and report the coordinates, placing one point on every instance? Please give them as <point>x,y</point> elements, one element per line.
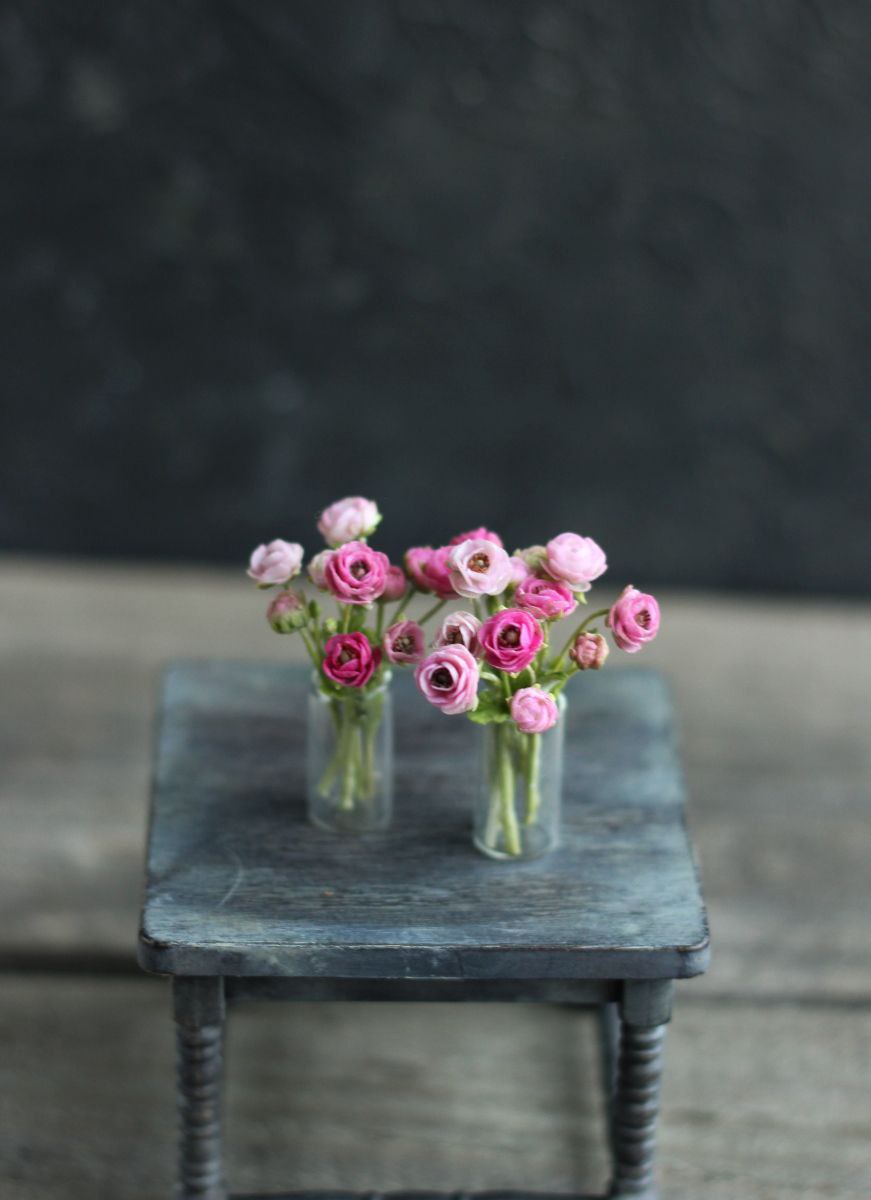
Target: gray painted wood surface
<point>238,883</point>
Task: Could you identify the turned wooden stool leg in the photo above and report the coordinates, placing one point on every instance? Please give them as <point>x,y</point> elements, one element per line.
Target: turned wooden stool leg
<point>645,1010</point>
<point>199,1015</point>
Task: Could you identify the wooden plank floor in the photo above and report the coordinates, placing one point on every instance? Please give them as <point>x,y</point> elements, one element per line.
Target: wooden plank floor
<point>769,1058</point>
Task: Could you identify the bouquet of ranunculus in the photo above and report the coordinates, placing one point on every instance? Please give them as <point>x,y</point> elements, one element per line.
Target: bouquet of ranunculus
<point>498,665</point>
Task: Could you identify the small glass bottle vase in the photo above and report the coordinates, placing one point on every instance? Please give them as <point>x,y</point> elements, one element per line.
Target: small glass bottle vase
<point>349,759</point>
<point>518,809</point>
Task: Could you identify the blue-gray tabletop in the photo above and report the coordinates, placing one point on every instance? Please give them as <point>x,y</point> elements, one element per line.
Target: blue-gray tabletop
<point>239,884</point>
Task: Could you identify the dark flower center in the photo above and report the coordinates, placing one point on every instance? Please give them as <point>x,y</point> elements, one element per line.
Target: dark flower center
<point>358,569</point>
<point>643,618</point>
<point>479,562</point>
<point>454,637</point>
<point>404,644</point>
<point>345,657</point>
<point>441,678</point>
<point>510,636</point>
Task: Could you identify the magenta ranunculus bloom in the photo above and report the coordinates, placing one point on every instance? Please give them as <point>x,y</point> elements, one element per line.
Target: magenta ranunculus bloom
<point>478,567</point>
<point>589,651</point>
<point>275,562</point>
<point>545,598</point>
<point>634,619</point>
<point>429,570</point>
<point>404,642</point>
<point>534,710</point>
<point>348,520</point>
<point>350,659</point>
<point>479,534</point>
<point>448,678</point>
<point>460,629</point>
<point>316,568</point>
<point>510,640</point>
<point>396,584</point>
<point>575,560</point>
<point>356,574</point>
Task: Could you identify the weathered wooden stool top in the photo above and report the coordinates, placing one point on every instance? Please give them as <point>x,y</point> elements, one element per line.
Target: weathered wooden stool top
<point>238,884</point>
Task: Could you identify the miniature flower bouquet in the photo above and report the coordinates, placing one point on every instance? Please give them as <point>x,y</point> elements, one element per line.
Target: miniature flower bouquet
<point>497,664</point>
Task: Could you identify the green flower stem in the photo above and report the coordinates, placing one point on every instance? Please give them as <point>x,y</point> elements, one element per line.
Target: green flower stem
<point>557,662</point>
<point>510,831</point>
<point>506,686</point>
<point>431,612</point>
<point>347,756</point>
<point>379,625</point>
<point>400,606</point>
<point>533,770</point>
<point>346,618</point>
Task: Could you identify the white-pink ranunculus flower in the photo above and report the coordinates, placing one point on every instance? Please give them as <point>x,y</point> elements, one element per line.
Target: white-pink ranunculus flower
<point>316,568</point>
<point>534,710</point>
<point>459,629</point>
<point>479,568</point>
<point>520,569</point>
<point>275,562</point>
<point>634,619</point>
<point>448,678</point>
<point>404,642</point>
<point>349,520</point>
<point>575,560</point>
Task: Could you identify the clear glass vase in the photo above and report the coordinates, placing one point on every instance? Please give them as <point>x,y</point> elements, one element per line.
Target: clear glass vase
<point>518,809</point>
<point>349,759</point>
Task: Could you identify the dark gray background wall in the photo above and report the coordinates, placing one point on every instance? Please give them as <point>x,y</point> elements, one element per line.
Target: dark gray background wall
<point>603,266</point>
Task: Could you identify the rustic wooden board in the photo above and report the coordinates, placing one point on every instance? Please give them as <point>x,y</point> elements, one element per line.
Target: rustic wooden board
<point>761,1101</point>
<point>238,882</point>
<point>772,698</point>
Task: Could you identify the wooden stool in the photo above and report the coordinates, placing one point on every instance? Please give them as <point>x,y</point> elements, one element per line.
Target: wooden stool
<point>244,899</point>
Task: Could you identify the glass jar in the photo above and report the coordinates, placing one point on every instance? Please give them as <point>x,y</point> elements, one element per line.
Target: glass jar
<point>349,758</point>
<point>518,808</point>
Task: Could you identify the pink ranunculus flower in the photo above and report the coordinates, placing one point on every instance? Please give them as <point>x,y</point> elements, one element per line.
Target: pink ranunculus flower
<point>275,562</point>
<point>545,598</point>
<point>510,640</point>
<point>634,619</point>
<point>479,534</point>
<point>534,710</point>
<point>284,613</point>
<point>478,567</point>
<point>460,629</point>
<point>350,659</point>
<point>448,678</point>
<point>404,642</point>
<point>589,651</point>
<point>356,574</point>
<point>349,520</point>
<point>575,560</point>
<point>396,584</point>
<point>316,568</point>
<point>429,570</point>
<point>520,569</point>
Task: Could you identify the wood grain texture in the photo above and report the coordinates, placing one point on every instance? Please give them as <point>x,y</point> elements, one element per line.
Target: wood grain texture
<point>759,1101</point>
<point>239,884</point>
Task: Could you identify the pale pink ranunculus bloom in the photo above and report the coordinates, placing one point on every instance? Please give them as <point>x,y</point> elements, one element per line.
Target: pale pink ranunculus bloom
<point>349,520</point>
<point>479,534</point>
<point>520,569</point>
<point>545,598</point>
<point>275,562</point>
<point>316,568</point>
<point>478,567</point>
<point>396,584</point>
<point>404,642</point>
<point>459,629</point>
<point>589,651</point>
<point>534,710</point>
<point>634,619</point>
<point>575,560</point>
<point>510,640</point>
<point>283,609</point>
<point>448,678</point>
<point>356,574</point>
<point>350,659</point>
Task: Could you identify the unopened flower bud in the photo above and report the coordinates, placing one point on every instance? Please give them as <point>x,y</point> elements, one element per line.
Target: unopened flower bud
<point>286,612</point>
<point>331,626</point>
<point>589,651</point>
